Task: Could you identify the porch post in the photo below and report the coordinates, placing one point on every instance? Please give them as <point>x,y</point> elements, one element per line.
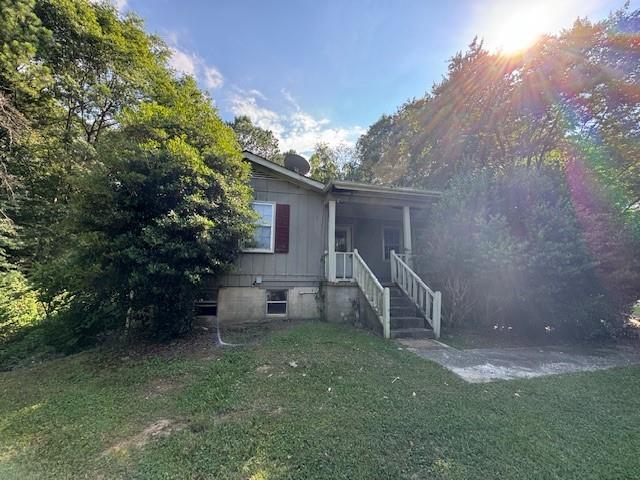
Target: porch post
<point>437,307</point>
<point>386,313</point>
<point>406,227</point>
<point>332,241</point>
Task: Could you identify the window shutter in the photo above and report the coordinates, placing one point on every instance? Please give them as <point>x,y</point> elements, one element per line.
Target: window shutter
<point>282,228</point>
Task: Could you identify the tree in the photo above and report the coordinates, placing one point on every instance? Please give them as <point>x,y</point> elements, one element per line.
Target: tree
<point>324,164</point>
<point>167,206</point>
<point>562,118</point>
<point>69,67</point>
<point>122,188</point>
<point>255,139</point>
<point>492,111</point>
<point>507,249</point>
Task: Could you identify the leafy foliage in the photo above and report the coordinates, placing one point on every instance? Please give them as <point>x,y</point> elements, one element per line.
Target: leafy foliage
<point>508,250</point>
<point>85,65</point>
<point>492,111</point>
<point>324,166</point>
<point>19,305</point>
<point>333,163</point>
<point>122,188</point>
<point>255,139</point>
<point>167,206</point>
<point>555,132</point>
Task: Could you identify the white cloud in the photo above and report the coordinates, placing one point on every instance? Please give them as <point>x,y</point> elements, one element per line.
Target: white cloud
<point>290,99</point>
<point>295,129</point>
<point>119,4</point>
<point>188,63</point>
<point>212,77</point>
<point>183,62</point>
<point>246,103</point>
<point>257,93</point>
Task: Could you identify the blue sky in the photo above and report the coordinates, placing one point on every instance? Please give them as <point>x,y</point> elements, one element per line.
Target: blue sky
<point>325,70</point>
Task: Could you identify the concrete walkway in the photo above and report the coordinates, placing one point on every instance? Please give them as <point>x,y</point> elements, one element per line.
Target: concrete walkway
<point>481,365</point>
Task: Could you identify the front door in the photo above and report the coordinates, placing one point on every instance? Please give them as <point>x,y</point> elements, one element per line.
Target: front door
<point>343,238</point>
<point>344,247</point>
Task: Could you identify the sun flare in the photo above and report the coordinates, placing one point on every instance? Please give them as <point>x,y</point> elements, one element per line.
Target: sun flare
<point>521,27</point>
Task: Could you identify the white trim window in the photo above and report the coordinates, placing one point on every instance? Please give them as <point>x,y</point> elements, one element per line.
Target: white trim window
<point>264,233</point>
<point>390,241</point>
<point>277,302</point>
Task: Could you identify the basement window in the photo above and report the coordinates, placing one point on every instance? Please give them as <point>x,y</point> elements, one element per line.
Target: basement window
<point>207,308</point>
<point>276,302</point>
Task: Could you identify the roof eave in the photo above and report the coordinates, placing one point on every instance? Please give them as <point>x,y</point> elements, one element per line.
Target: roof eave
<point>376,189</point>
<point>292,176</point>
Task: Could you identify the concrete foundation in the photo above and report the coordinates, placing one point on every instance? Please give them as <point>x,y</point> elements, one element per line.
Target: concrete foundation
<point>332,302</point>
<point>345,303</point>
<point>340,302</point>
<point>246,305</point>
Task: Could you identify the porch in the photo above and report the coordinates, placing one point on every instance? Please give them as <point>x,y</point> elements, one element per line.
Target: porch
<point>370,234</point>
<point>372,231</point>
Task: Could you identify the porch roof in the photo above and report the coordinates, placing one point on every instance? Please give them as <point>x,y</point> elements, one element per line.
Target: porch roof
<point>344,186</point>
<point>365,192</point>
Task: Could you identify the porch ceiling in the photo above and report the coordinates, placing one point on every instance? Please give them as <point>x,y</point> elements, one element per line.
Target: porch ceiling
<point>352,192</point>
<point>356,210</point>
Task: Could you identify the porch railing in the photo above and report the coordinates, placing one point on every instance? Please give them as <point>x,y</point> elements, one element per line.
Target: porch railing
<point>405,257</point>
<point>428,302</point>
<point>344,266</point>
<point>377,295</point>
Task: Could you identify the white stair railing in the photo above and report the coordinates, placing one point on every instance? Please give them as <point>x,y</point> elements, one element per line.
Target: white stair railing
<point>377,295</point>
<point>428,302</point>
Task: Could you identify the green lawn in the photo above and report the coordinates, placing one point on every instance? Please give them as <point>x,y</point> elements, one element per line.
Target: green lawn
<point>313,401</point>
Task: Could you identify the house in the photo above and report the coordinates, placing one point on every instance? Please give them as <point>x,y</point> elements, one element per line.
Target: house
<point>340,251</point>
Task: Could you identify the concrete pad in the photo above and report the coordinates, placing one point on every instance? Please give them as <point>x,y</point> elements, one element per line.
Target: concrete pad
<point>480,365</point>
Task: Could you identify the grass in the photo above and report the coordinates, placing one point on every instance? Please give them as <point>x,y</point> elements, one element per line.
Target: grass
<point>313,401</point>
<point>469,338</point>
<point>490,338</point>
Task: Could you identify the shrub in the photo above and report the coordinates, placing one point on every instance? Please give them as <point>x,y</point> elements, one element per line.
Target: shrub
<point>19,305</point>
<point>167,205</point>
<point>507,249</point>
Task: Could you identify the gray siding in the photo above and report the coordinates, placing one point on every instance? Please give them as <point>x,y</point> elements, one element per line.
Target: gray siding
<point>303,265</point>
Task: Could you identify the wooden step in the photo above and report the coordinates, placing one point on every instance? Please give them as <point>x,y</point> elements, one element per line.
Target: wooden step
<point>412,333</point>
<point>401,299</point>
<point>404,310</point>
<point>413,321</point>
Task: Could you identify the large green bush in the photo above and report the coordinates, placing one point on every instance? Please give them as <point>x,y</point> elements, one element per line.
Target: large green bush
<point>122,188</point>
<point>167,206</point>
<point>507,249</point>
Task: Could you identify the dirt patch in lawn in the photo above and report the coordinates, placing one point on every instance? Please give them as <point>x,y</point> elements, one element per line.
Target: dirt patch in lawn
<point>264,369</point>
<point>159,429</point>
<point>163,386</point>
